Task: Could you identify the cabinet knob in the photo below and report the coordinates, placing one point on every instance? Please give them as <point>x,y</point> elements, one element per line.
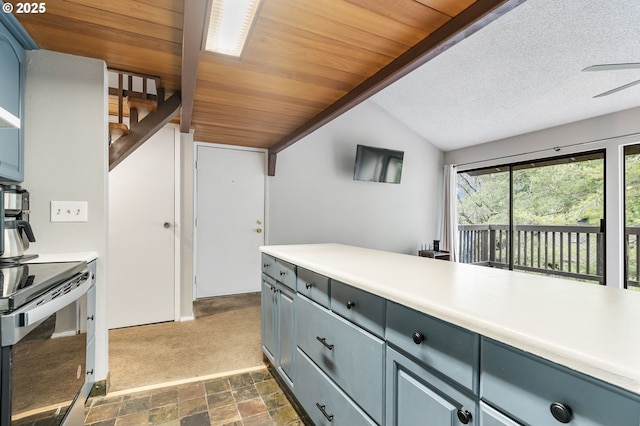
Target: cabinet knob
<point>265,265</point>
<point>350,304</point>
<point>464,416</point>
<point>561,412</point>
<point>283,273</point>
<point>418,337</point>
<point>308,285</point>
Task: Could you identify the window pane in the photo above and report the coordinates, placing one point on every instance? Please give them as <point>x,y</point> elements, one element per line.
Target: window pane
<point>483,217</point>
<point>557,208</point>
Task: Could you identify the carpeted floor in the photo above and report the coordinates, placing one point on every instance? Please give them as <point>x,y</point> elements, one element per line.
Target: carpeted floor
<point>224,337</point>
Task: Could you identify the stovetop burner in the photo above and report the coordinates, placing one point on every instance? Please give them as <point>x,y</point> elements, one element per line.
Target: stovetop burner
<point>24,282</point>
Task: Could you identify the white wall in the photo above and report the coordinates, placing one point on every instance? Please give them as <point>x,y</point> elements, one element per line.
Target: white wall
<point>574,137</point>
<point>313,197</point>
<point>186,225</point>
<point>66,159</point>
<point>609,132</point>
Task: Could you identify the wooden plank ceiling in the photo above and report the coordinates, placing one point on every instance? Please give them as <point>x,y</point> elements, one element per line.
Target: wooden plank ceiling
<point>303,56</point>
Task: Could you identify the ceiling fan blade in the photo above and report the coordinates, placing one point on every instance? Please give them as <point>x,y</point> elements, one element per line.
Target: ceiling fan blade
<point>617,89</point>
<point>612,67</point>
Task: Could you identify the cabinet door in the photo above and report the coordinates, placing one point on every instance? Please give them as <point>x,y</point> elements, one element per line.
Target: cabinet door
<point>11,95</point>
<point>415,396</point>
<point>268,308</point>
<point>286,333</point>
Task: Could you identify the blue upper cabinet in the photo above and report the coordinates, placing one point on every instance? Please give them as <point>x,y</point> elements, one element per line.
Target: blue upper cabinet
<point>13,41</point>
<point>11,100</point>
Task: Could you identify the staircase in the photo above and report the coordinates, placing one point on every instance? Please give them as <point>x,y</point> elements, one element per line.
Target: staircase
<point>141,100</point>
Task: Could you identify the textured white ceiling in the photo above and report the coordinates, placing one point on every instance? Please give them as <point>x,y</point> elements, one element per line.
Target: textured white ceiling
<point>523,73</point>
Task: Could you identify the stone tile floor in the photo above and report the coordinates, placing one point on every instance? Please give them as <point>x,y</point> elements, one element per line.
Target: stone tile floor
<point>247,399</point>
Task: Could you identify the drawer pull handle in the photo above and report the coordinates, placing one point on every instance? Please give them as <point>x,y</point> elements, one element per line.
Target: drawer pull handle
<point>324,413</point>
<point>350,304</point>
<point>464,416</point>
<point>418,337</point>
<point>561,412</point>
<point>283,273</point>
<point>324,342</point>
<point>308,285</point>
<point>265,265</point>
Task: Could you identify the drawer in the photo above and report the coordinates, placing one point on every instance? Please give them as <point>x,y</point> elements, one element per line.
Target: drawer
<point>286,273</point>
<point>491,417</point>
<point>314,286</point>
<point>268,265</point>
<point>449,349</point>
<point>323,401</point>
<point>526,387</point>
<point>353,358</point>
<point>358,306</point>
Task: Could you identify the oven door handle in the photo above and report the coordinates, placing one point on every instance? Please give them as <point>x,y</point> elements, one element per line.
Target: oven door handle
<point>45,310</point>
<point>30,314</point>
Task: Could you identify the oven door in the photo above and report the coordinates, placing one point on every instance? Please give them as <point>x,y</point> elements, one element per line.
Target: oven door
<point>43,358</point>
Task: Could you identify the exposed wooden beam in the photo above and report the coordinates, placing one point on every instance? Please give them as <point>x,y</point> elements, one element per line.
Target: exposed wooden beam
<point>271,166</point>
<point>195,12</point>
<point>142,131</point>
<point>475,17</point>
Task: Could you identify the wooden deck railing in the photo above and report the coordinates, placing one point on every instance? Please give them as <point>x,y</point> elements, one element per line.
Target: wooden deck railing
<point>569,251</point>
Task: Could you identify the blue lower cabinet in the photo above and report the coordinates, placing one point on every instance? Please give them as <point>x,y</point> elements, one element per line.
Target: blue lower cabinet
<point>417,396</point>
<point>350,356</point>
<point>287,345</point>
<point>268,311</point>
<point>534,391</point>
<point>323,401</point>
<point>278,327</point>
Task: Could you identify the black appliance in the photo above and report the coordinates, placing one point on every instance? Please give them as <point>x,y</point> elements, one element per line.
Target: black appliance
<point>378,164</point>
<point>43,342</point>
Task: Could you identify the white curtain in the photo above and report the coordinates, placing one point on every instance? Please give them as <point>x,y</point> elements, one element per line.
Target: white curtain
<point>449,229</point>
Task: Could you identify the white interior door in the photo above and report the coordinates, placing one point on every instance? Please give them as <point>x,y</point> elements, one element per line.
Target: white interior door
<point>142,234</point>
<point>229,220</point>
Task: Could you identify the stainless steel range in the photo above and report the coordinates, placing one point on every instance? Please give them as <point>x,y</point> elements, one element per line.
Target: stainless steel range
<point>42,338</point>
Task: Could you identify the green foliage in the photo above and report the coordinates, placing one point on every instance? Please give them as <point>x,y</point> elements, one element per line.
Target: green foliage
<point>561,194</point>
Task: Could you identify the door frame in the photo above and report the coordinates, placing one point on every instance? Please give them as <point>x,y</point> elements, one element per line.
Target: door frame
<point>265,228</point>
<point>177,219</point>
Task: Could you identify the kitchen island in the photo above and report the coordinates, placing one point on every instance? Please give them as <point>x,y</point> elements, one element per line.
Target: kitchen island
<point>491,338</point>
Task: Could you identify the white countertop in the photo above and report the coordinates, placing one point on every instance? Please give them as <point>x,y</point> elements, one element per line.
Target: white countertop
<point>586,327</point>
<point>87,256</point>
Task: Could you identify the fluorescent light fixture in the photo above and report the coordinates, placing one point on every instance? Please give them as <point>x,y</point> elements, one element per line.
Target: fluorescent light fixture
<point>229,25</point>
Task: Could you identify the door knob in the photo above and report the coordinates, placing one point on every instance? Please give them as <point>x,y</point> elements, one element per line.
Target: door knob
<point>259,230</point>
<point>167,225</point>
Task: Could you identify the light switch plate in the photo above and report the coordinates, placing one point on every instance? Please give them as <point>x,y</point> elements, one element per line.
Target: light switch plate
<point>69,211</point>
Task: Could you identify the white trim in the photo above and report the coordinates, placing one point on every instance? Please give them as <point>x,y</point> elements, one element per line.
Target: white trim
<point>176,221</point>
<point>560,150</point>
<point>614,215</point>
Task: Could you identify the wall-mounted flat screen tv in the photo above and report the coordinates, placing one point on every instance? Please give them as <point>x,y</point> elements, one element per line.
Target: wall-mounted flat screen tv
<point>378,164</point>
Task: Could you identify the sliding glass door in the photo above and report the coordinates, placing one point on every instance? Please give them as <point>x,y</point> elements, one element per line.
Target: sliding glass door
<point>548,216</point>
